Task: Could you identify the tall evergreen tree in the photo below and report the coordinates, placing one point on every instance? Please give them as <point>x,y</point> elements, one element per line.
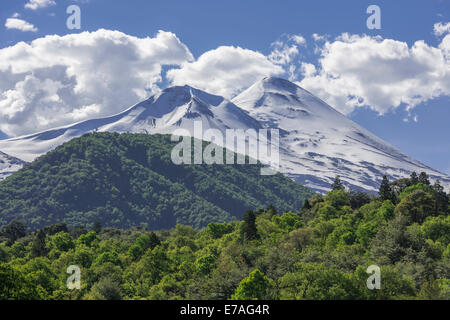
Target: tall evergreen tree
<point>413,178</point>
<point>423,178</point>
<point>249,231</point>
<point>385,191</point>
<point>441,198</point>
<point>306,204</point>
<point>337,184</point>
<point>38,248</point>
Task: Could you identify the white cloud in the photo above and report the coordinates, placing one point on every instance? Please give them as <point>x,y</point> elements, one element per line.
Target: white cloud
<point>37,4</point>
<point>19,24</point>
<point>285,51</point>
<point>356,71</point>
<point>317,37</point>
<point>298,39</point>
<point>57,80</point>
<point>308,69</point>
<point>440,28</point>
<point>225,70</point>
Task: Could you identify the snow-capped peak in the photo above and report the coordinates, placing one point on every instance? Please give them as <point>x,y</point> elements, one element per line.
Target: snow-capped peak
<point>320,142</point>
<point>173,108</point>
<point>316,141</point>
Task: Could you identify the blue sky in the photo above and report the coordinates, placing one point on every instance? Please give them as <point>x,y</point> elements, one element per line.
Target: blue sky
<point>204,25</point>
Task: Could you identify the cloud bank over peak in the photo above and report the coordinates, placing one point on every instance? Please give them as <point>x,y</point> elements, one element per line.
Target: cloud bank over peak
<point>226,70</point>
<point>56,80</point>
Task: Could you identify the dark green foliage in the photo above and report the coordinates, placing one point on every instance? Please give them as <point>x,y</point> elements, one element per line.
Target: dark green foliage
<point>417,205</point>
<point>306,205</point>
<point>56,228</point>
<point>386,192</point>
<point>97,227</point>
<point>423,178</point>
<point>337,184</point>
<point>126,180</point>
<point>218,230</point>
<point>39,248</point>
<point>105,289</point>
<point>430,290</point>
<point>358,199</point>
<point>14,230</point>
<point>249,231</point>
<point>441,198</point>
<point>414,179</point>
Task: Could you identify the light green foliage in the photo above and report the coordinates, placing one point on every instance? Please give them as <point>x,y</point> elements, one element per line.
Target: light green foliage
<point>255,287</point>
<point>386,211</point>
<point>61,241</point>
<point>413,188</point>
<point>437,229</point>
<point>88,239</point>
<point>327,211</point>
<point>288,221</point>
<point>338,198</point>
<point>312,281</point>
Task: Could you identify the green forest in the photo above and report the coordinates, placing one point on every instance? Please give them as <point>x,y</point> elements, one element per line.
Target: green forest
<point>319,252</point>
<point>129,180</point>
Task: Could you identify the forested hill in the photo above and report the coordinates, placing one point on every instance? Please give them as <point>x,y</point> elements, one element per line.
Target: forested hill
<point>125,180</point>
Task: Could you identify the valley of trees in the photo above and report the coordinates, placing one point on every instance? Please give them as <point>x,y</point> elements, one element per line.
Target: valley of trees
<point>320,252</point>
<point>129,180</point>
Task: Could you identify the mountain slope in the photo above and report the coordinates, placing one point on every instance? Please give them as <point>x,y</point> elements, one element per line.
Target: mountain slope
<point>173,108</point>
<point>319,142</point>
<point>316,142</point>
<point>124,180</point>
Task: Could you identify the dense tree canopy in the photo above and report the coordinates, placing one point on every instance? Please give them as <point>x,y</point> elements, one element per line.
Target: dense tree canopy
<point>321,252</point>
<point>128,180</point>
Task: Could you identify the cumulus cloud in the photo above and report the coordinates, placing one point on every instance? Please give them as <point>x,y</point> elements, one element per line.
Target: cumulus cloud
<point>441,28</point>
<point>57,80</point>
<point>286,52</point>
<point>19,24</point>
<point>355,71</point>
<point>225,70</point>
<point>285,49</point>
<point>37,4</point>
